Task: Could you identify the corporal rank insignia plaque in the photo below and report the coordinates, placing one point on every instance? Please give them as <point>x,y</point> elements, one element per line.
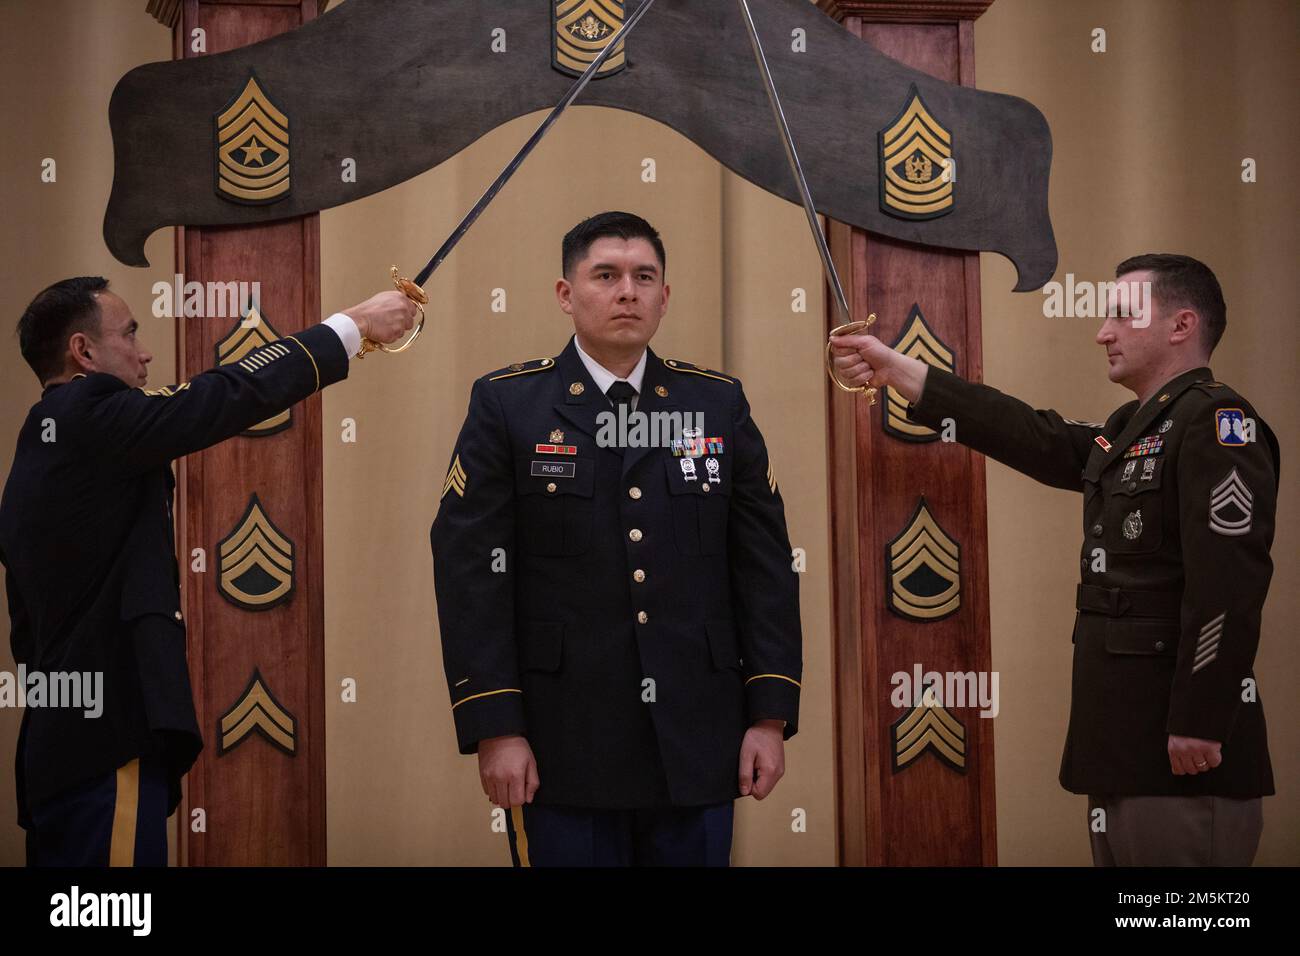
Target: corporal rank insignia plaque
<point>582,28</point>
<point>257,711</point>
<point>249,334</point>
<point>252,146</point>
<point>923,569</point>
<point>928,727</point>
<point>917,341</point>
<point>256,570</point>
<point>916,171</point>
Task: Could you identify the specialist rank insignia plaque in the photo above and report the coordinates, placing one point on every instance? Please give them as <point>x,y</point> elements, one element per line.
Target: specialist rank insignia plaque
<point>582,29</point>
<point>917,174</point>
<point>252,148</point>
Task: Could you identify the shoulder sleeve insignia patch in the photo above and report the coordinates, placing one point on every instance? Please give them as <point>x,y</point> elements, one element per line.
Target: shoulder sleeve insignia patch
<point>1229,426</point>
<point>1231,506</point>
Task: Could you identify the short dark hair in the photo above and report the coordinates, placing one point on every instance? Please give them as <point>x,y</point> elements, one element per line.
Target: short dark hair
<point>621,225</point>
<point>56,313</point>
<point>1184,283</point>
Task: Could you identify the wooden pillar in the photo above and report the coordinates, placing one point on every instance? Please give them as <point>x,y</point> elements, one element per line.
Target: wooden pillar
<point>905,798</point>
<point>257,668</point>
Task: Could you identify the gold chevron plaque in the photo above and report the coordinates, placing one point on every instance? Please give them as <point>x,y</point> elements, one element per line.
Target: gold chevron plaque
<point>252,148</point>
<point>923,569</point>
<point>582,29</point>
<point>916,175</point>
<point>918,341</point>
<point>456,479</point>
<point>257,711</point>
<point>928,727</point>
<point>256,570</point>
<point>250,333</point>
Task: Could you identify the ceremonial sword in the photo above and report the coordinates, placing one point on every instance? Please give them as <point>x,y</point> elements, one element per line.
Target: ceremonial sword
<point>413,287</point>
<point>832,276</point>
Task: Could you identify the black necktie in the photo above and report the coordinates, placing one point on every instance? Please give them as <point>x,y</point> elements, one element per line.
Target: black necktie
<point>621,393</point>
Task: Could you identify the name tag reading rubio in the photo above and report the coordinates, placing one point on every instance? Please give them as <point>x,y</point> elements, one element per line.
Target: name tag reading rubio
<point>555,469</point>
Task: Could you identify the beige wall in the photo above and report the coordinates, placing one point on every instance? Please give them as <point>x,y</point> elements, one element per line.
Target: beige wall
<point>1191,88</point>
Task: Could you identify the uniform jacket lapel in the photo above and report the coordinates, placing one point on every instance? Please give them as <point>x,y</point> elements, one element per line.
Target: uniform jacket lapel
<point>580,409</point>
<point>1142,420</point>
<point>649,401</point>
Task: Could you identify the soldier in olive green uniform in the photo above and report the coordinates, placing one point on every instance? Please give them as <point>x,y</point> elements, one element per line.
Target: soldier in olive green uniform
<point>1166,732</point>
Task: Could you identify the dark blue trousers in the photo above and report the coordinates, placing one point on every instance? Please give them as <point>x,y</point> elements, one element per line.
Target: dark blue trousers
<point>573,836</point>
<point>119,819</point>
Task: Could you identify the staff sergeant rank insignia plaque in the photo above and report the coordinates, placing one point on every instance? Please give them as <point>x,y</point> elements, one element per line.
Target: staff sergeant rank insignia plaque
<point>582,28</point>
<point>916,171</point>
<point>252,149</point>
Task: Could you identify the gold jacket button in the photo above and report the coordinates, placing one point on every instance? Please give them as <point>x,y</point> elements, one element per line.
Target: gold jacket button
<point>635,534</point>
<point>642,617</point>
<point>638,575</point>
<point>551,487</point>
<point>704,486</point>
<point>178,615</point>
<point>1096,531</point>
<point>634,493</point>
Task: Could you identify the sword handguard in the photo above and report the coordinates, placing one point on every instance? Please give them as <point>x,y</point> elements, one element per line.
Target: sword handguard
<point>849,329</point>
<point>416,295</point>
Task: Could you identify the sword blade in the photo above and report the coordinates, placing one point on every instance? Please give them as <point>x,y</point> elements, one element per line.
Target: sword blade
<point>792,155</point>
<point>445,249</point>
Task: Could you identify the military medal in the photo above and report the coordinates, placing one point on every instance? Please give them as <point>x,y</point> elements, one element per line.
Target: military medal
<point>1132,526</point>
<point>1150,445</point>
<point>714,468</point>
<point>1148,469</point>
<point>1167,424</point>
<point>688,468</point>
<point>1128,470</point>
<point>715,445</point>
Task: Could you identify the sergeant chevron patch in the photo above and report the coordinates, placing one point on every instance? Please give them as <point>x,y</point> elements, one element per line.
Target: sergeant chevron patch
<point>256,562</point>
<point>923,569</point>
<point>771,478</point>
<point>928,727</point>
<point>456,479</point>
<point>257,711</point>
<point>250,345</point>
<point>1207,643</point>
<point>1231,506</point>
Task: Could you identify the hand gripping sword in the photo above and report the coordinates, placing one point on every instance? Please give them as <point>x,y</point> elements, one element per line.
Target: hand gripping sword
<point>413,288</point>
<point>841,303</point>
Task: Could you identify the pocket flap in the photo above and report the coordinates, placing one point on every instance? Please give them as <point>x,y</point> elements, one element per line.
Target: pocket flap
<point>535,474</point>
<point>1136,636</point>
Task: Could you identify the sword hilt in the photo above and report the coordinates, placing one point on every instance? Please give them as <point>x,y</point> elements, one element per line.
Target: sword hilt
<point>416,295</point>
<point>849,329</point>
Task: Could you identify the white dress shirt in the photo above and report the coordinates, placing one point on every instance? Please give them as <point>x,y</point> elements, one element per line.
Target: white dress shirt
<point>604,378</point>
<point>347,332</point>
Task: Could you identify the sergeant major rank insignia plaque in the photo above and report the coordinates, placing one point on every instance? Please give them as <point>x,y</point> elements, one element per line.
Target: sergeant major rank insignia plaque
<point>252,148</point>
<point>582,28</point>
<point>917,174</point>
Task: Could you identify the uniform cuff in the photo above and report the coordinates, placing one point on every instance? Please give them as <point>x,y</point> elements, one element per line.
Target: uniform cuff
<point>489,714</point>
<point>347,330</point>
<point>773,697</point>
<point>938,398</point>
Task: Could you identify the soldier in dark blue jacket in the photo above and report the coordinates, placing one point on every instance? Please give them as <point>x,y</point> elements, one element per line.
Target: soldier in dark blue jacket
<point>87,541</point>
<point>620,620</point>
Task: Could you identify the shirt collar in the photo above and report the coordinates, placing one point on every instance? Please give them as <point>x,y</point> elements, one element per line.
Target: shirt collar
<point>604,378</point>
